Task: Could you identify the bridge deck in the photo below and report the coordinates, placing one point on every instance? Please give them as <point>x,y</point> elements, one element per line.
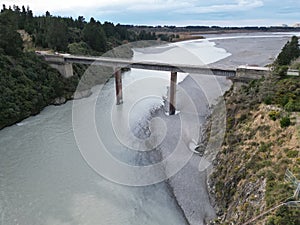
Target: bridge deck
<point>148,65</point>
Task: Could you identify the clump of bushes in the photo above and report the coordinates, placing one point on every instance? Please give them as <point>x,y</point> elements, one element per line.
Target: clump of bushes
<point>264,147</point>
<point>292,106</point>
<point>267,100</point>
<point>284,92</point>
<point>292,154</point>
<point>288,53</point>
<point>274,115</point>
<point>285,215</point>
<point>285,121</point>
<point>281,70</point>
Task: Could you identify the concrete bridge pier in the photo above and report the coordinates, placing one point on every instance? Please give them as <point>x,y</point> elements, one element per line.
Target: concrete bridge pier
<point>172,91</point>
<point>118,83</point>
<point>65,69</point>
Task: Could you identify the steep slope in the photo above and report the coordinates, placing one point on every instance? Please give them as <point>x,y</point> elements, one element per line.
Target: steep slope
<point>258,149</point>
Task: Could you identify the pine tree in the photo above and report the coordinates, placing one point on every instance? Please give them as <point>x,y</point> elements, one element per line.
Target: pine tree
<point>57,35</point>
<point>10,40</point>
<point>289,52</point>
<point>94,35</point>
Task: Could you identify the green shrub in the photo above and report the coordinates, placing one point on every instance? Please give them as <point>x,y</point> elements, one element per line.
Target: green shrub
<point>271,220</point>
<point>296,170</point>
<point>292,106</point>
<point>270,175</point>
<point>292,154</point>
<point>274,115</point>
<point>268,100</point>
<point>264,147</point>
<point>281,70</point>
<point>243,117</point>
<point>287,216</point>
<point>265,163</point>
<point>283,99</point>
<point>285,121</point>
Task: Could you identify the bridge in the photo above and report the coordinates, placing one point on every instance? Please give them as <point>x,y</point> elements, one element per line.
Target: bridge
<point>63,63</point>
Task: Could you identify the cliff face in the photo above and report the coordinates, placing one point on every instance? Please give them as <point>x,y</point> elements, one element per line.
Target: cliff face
<point>258,149</point>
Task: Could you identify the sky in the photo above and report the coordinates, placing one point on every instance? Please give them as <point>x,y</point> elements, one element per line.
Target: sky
<point>173,12</point>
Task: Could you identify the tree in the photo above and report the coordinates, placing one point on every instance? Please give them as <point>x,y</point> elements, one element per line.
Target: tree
<point>94,36</point>
<point>3,8</point>
<point>109,29</point>
<point>10,40</point>
<point>289,52</point>
<point>48,14</point>
<point>80,22</point>
<point>57,35</point>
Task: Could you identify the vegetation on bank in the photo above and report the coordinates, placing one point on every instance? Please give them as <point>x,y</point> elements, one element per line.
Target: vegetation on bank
<point>27,83</point>
<point>212,29</point>
<point>262,142</point>
<point>287,58</point>
<point>75,36</point>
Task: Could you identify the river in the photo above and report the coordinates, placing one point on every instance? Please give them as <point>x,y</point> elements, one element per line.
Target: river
<point>47,178</point>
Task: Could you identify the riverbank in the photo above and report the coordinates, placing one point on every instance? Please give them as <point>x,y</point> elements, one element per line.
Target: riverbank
<point>189,184</point>
<point>248,177</point>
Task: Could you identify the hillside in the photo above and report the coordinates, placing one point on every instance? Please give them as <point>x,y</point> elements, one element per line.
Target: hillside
<point>258,149</point>
<point>262,145</point>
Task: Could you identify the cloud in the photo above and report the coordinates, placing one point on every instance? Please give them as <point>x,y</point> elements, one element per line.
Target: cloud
<point>239,5</point>
<point>227,23</point>
<point>168,11</point>
<point>160,5</point>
